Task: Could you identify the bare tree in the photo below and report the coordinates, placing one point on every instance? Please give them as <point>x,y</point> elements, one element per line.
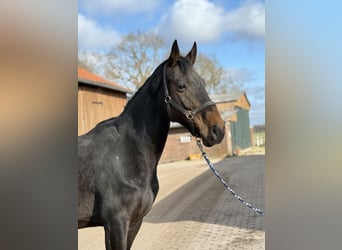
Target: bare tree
<point>90,60</point>
<point>132,61</point>
<point>228,84</point>
<point>209,69</point>
<point>233,80</point>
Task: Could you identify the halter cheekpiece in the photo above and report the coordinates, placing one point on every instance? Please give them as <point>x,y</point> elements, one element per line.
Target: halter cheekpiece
<point>189,114</point>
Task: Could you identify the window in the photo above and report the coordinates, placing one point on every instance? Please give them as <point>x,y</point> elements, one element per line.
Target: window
<point>185,138</point>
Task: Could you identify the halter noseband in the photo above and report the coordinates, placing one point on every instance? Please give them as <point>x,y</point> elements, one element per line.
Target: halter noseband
<point>188,113</point>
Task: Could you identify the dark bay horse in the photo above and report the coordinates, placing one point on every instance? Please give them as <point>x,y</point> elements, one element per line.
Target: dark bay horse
<point>118,158</point>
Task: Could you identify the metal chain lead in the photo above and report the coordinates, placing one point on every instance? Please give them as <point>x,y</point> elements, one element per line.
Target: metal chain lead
<point>204,154</point>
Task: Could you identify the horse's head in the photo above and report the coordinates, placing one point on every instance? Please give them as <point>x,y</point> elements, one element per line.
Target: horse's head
<point>187,100</point>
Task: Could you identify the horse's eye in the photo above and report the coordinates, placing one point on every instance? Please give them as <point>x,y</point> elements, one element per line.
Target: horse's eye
<point>181,86</point>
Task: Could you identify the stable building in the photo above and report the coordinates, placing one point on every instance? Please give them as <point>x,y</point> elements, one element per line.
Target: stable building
<point>238,105</point>
<point>98,100</point>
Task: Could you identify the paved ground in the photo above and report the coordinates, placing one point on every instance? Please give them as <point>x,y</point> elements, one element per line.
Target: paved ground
<point>193,210</point>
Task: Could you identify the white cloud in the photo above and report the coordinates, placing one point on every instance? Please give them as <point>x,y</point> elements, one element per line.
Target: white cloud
<point>239,75</point>
<point>256,96</point>
<point>192,20</point>
<point>204,21</point>
<point>248,20</point>
<point>119,6</point>
<point>258,91</point>
<point>92,36</point>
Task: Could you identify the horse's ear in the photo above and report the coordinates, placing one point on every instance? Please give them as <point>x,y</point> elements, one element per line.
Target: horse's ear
<point>174,55</point>
<point>192,54</point>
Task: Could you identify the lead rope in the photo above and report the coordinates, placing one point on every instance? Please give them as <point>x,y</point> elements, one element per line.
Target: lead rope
<point>204,154</point>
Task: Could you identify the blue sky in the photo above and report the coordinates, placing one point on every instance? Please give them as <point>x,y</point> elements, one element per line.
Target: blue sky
<point>232,31</point>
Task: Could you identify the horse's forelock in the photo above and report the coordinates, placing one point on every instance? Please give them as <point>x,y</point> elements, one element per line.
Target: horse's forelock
<point>184,64</point>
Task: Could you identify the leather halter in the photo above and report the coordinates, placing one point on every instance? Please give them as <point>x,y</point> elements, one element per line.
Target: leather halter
<point>189,114</point>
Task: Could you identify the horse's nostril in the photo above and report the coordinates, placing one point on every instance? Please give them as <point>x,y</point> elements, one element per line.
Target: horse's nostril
<point>214,132</point>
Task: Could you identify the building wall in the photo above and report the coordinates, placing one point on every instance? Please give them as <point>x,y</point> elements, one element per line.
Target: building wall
<point>222,106</point>
<point>241,102</point>
<point>97,104</point>
<point>180,145</point>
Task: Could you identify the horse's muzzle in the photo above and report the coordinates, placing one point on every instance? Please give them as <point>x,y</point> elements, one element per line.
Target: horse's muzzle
<point>214,137</point>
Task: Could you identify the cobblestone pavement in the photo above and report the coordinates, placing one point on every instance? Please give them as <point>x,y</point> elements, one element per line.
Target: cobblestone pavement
<point>193,210</point>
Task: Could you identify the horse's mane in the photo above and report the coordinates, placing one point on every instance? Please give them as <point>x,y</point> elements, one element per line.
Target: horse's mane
<point>147,84</point>
<point>183,64</point>
<point>151,79</point>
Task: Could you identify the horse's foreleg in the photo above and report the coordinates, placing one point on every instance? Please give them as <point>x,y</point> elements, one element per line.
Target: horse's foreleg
<point>132,233</point>
<point>116,232</point>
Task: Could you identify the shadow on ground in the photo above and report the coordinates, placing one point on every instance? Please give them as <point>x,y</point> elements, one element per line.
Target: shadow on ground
<point>204,199</point>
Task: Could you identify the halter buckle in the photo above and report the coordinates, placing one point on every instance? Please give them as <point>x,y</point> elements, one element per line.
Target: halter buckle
<point>189,115</point>
<point>168,99</point>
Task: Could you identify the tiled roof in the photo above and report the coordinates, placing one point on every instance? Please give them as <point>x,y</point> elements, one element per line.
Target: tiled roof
<point>87,77</point>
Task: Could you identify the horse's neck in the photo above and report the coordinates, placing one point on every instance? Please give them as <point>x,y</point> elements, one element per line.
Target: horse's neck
<point>147,123</point>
